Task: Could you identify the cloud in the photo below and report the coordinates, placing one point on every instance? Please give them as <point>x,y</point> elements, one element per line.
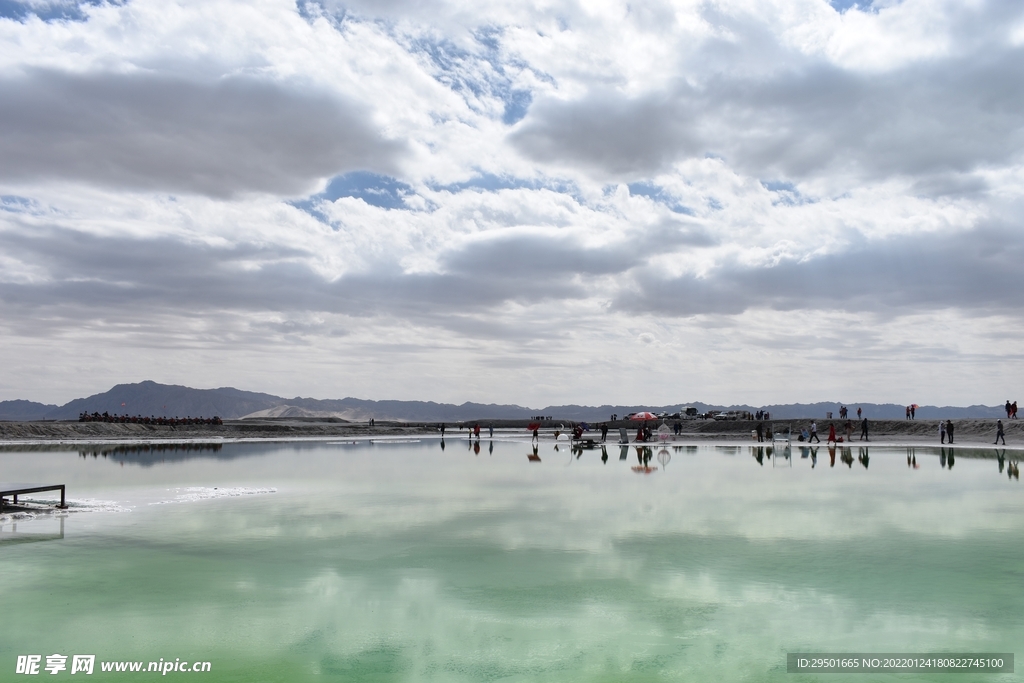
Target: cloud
<point>398,188</point>
<point>150,132</point>
<point>615,136</point>
<point>974,271</point>
<point>805,119</point>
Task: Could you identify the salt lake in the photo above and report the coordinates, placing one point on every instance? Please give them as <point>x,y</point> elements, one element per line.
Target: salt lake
<point>490,561</point>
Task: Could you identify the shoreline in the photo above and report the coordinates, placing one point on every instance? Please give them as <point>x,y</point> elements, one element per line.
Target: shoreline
<point>973,433</point>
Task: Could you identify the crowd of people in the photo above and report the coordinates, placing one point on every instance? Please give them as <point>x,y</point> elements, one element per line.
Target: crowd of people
<point>151,420</point>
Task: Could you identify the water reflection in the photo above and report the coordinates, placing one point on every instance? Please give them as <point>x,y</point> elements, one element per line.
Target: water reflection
<point>707,573</point>
<point>149,454</point>
<point>664,457</point>
<point>781,455</point>
<point>912,459</point>
<point>12,536</point>
<point>947,458</point>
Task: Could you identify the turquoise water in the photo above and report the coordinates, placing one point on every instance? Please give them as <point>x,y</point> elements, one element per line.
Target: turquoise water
<point>406,562</point>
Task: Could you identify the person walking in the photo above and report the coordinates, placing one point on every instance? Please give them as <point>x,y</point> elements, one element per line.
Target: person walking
<point>999,432</point>
<point>949,430</point>
<point>814,433</point>
<point>831,433</point>
<point>858,412</point>
<point>863,428</point>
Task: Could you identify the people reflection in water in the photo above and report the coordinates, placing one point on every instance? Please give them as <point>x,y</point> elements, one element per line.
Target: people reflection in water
<point>490,449</point>
<point>533,457</point>
<point>623,452</point>
<point>1001,457</point>
<point>814,457</point>
<point>604,455</point>
<point>1013,470</point>
<point>442,444</point>
<point>946,457</point>
<point>847,457</point>
<point>644,455</point>
<point>863,458</point>
<point>912,458</point>
<point>759,455</point>
<point>476,447</point>
<point>832,456</point>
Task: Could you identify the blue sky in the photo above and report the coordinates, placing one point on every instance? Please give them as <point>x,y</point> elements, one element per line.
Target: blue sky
<point>530,202</point>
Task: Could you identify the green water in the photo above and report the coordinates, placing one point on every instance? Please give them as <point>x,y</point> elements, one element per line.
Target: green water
<point>412,563</point>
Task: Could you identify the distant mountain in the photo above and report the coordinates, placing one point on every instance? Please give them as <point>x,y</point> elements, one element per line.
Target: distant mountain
<point>24,410</point>
<point>150,398</point>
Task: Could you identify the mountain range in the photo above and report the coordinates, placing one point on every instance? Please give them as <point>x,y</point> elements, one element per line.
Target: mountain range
<point>151,398</point>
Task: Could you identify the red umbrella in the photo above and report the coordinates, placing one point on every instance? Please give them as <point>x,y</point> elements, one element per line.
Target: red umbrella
<point>644,416</point>
<point>533,426</point>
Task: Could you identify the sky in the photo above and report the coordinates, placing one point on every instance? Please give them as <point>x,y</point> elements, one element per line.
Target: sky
<point>533,202</point>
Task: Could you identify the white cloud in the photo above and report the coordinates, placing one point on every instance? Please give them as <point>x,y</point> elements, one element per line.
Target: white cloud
<point>542,191</point>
